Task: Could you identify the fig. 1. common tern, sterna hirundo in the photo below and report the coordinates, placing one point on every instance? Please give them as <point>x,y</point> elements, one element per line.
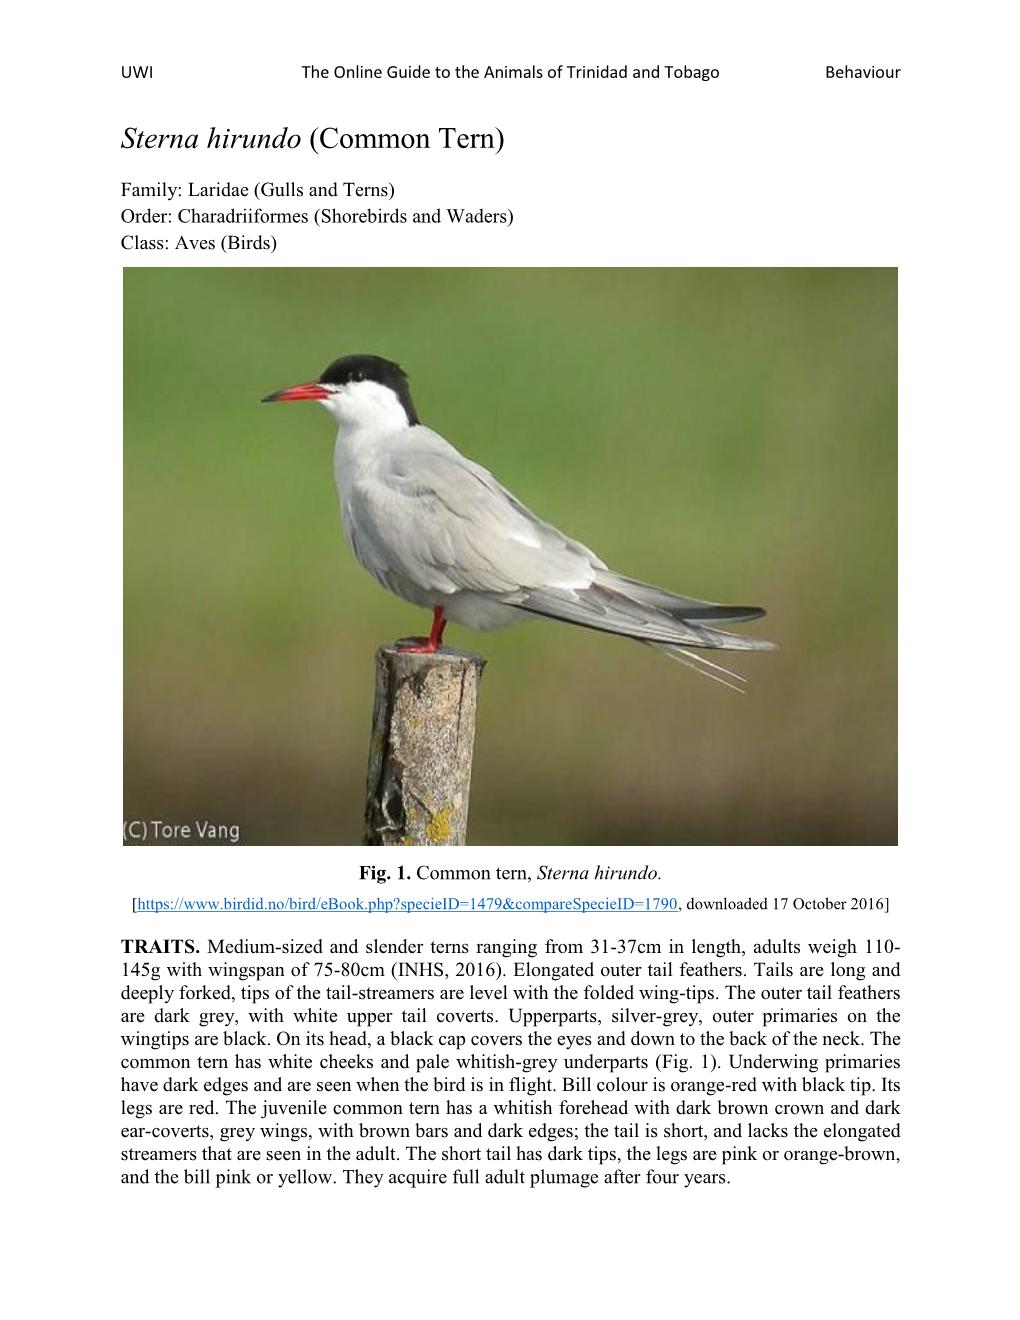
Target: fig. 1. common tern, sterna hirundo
<point>440,532</point>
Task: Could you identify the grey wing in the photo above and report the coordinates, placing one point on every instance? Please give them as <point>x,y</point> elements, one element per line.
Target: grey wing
<point>433,517</point>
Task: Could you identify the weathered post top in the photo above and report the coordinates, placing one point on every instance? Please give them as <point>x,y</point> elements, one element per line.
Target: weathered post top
<point>423,736</point>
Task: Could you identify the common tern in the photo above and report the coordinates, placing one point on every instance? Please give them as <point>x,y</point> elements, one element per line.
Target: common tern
<point>440,532</point>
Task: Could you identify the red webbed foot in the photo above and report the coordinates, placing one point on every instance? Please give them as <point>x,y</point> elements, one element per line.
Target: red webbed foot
<point>416,646</point>
<point>426,645</point>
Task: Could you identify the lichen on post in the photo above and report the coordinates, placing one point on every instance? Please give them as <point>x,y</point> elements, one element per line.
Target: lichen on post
<point>423,736</point>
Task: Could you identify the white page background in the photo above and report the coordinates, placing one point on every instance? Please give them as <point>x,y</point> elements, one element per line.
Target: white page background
<point>771,166</point>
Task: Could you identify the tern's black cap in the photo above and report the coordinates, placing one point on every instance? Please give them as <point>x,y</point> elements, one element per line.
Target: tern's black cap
<point>364,366</point>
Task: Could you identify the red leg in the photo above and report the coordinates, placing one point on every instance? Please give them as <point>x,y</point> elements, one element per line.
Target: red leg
<point>431,644</point>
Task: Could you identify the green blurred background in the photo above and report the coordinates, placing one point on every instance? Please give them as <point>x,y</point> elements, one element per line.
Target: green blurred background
<point>724,433</point>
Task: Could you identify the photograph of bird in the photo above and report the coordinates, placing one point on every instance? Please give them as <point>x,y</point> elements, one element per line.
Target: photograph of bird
<point>440,532</point>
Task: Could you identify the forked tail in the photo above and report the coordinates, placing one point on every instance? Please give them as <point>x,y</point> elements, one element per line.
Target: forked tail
<point>679,626</point>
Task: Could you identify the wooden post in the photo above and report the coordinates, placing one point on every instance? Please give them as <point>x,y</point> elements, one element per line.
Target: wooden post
<point>423,737</point>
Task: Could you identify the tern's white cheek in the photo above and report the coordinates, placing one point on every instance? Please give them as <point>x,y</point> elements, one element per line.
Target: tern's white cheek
<point>367,405</point>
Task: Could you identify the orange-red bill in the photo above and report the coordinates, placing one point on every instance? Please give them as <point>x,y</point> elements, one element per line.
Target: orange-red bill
<point>298,393</point>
